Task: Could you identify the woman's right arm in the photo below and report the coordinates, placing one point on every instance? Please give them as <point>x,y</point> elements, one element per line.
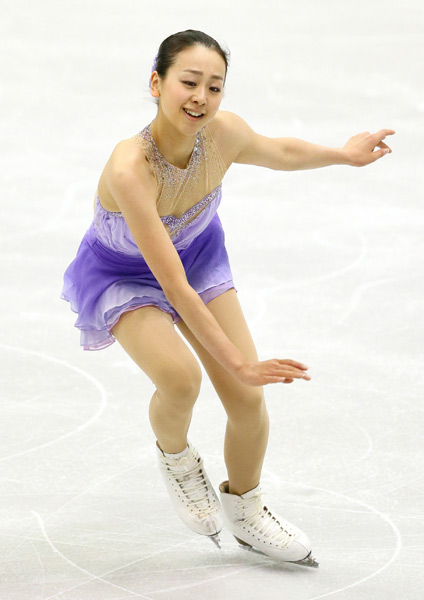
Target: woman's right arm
<point>133,187</point>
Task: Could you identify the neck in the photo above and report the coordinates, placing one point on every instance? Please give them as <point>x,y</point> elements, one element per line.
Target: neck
<point>174,146</point>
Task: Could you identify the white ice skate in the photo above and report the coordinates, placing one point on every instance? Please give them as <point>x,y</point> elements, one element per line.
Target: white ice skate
<point>192,493</point>
<point>256,528</point>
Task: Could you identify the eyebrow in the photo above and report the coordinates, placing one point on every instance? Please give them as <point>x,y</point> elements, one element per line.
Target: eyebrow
<point>201,73</point>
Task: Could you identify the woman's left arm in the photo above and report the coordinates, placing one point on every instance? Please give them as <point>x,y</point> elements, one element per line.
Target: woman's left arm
<point>292,154</point>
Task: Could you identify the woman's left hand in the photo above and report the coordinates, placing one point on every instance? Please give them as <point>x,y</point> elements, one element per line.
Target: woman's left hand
<point>360,148</point>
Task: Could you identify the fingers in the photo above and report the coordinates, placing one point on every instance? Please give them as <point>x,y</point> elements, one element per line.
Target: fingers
<point>377,140</point>
<point>293,368</point>
<point>286,375</point>
<point>384,132</point>
<point>292,363</point>
<point>272,371</point>
<point>295,372</point>
<point>275,379</point>
<point>379,153</point>
<point>381,135</point>
<point>287,369</point>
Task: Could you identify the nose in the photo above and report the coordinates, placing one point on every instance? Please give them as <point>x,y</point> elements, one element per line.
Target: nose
<point>199,95</point>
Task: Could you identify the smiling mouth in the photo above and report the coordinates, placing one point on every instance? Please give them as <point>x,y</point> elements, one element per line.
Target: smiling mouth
<point>193,114</point>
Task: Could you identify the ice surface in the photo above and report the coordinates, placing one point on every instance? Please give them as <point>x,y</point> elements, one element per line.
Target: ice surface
<point>329,269</point>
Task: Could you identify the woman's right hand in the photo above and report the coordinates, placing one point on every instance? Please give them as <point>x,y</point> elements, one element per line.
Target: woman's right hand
<point>271,371</point>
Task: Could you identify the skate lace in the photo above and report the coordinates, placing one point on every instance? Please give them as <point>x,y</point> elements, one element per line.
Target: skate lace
<point>192,482</point>
<point>252,512</point>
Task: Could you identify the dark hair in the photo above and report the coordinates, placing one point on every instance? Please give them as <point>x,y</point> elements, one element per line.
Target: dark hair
<point>176,43</point>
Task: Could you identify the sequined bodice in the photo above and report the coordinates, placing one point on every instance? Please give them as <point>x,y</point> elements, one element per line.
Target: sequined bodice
<point>181,189</point>
<point>187,199</point>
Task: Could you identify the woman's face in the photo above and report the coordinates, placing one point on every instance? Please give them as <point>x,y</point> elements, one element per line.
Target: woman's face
<point>191,92</point>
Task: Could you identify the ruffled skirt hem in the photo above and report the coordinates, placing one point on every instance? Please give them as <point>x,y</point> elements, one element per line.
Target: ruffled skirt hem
<point>98,339</point>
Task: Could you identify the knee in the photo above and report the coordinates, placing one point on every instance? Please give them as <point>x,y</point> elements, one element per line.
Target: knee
<point>246,405</point>
<point>181,386</point>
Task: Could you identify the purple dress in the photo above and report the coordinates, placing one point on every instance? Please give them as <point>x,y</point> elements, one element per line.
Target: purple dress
<point>109,275</point>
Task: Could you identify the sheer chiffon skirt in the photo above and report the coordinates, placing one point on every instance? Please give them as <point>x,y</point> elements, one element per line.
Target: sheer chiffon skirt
<point>102,283</point>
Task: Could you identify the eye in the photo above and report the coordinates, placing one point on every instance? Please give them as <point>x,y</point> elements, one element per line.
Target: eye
<point>215,89</point>
<point>190,83</point>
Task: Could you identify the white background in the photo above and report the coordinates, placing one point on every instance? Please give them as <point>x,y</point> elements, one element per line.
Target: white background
<point>328,265</point>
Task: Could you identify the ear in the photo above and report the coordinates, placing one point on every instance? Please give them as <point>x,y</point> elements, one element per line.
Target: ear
<point>154,85</point>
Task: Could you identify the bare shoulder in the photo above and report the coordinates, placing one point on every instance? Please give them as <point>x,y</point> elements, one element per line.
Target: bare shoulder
<point>231,134</point>
<point>243,145</point>
<point>228,122</point>
<point>128,153</point>
<point>127,164</point>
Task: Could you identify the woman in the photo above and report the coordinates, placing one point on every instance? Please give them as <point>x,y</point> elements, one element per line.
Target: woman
<point>155,256</point>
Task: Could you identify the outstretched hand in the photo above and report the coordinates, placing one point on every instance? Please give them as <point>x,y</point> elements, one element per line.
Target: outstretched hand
<point>360,148</point>
<point>271,371</point>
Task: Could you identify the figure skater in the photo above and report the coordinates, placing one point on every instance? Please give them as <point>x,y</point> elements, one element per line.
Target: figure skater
<point>154,256</point>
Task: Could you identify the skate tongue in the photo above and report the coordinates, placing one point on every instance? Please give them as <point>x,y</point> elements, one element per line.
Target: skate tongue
<point>177,455</point>
<point>251,493</point>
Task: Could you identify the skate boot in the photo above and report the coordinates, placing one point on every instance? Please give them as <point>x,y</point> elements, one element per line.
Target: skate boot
<point>191,492</point>
<point>256,528</point>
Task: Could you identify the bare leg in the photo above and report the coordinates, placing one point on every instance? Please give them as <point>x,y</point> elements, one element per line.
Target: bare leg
<point>246,435</point>
<point>149,337</point>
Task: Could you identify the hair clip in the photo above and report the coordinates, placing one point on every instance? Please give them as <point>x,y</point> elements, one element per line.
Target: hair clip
<point>155,64</point>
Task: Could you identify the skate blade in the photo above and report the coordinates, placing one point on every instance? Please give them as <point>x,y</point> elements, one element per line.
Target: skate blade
<point>248,547</point>
<point>215,539</point>
<point>308,561</point>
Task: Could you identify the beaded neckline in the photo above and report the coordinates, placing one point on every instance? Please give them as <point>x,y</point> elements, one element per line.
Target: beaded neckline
<point>158,154</point>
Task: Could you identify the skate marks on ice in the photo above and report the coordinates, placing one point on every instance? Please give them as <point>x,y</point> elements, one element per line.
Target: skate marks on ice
<point>230,569</point>
<point>101,578</point>
<point>201,562</point>
<point>358,294</point>
<point>54,222</point>
<point>70,526</point>
<point>92,576</point>
<point>278,286</point>
<point>57,537</point>
<point>353,555</point>
<point>163,564</point>
<point>33,400</point>
<point>23,357</point>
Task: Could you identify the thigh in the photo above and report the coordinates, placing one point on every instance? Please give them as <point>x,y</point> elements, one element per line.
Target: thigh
<point>227,311</point>
<point>148,335</point>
